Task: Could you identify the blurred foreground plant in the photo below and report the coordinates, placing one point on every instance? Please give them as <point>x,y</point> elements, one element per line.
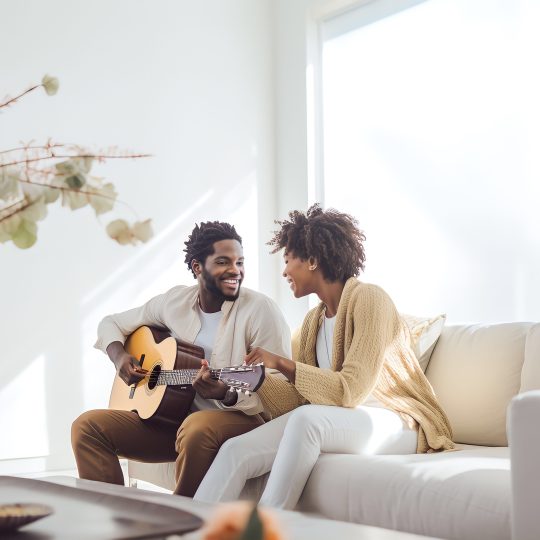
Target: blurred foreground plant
<point>242,521</point>
<point>34,176</point>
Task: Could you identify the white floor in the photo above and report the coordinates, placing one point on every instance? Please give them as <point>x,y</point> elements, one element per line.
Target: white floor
<point>73,472</point>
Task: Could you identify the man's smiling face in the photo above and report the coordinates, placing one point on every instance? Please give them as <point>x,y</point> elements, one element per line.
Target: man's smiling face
<point>223,270</point>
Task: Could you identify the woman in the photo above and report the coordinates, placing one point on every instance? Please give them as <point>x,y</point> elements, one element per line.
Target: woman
<point>353,364</point>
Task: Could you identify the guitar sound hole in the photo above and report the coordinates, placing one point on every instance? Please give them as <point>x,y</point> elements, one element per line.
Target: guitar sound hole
<point>153,379</point>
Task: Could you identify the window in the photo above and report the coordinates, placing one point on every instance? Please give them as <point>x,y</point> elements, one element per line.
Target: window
<point>431,132</point>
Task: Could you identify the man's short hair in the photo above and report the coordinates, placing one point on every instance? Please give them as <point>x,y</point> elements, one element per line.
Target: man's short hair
<point>201,241</point>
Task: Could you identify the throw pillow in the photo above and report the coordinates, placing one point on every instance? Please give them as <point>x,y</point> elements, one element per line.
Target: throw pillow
<point>425,332</point>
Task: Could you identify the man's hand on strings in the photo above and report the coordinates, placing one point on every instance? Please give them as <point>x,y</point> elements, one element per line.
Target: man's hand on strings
<point>129,369</point>
<point>206,386</point>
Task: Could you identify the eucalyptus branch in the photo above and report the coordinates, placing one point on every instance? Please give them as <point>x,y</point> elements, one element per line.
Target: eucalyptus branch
<point>83,191</point>
<point>62,167</point>
<point>67,188</point>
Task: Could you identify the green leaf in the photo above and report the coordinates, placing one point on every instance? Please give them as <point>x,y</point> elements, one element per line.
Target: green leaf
<point>76,181</point>
<point>5,236</point>
<point>119,230</point>
<point>50,84</point>
<point>9,183</point>
<point>75,166</point>
<point>11,224</point>
<point>35,211</point>
<point>104,202</point>
<point>142,230</point>
<point>26,235</point>
<point>50,195</point>
<point>66,167</point>
<point>254,529</point>
<point>83,164</point>
<point>74,199</point>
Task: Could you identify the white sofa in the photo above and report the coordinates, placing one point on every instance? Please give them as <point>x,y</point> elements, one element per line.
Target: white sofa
<point>476,371</point>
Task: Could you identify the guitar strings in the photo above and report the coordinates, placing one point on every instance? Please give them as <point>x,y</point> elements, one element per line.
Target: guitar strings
<point>186,376</point>
<point>189,372</point>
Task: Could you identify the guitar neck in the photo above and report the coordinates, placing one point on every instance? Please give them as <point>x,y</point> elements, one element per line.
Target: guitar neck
<point>182,377</point>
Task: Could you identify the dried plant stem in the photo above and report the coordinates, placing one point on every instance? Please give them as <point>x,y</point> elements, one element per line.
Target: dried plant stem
<point>41,147</point>
<point>68,156</point>
<point>17,206</point>
<point>12,100</point>
<point>63,188</point>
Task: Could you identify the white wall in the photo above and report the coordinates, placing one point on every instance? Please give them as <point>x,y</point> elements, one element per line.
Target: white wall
<point>296,165</point>
<point>291,126</point>
<point>191,83</point>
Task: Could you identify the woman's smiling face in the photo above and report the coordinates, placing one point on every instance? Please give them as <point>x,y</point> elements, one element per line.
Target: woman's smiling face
<point>298,275</point>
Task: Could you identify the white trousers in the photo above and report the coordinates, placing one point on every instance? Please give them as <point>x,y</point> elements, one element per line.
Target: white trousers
<point>290,445</point>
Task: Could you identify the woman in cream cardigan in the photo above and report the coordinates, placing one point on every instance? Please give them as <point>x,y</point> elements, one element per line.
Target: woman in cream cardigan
<point>352,364</point>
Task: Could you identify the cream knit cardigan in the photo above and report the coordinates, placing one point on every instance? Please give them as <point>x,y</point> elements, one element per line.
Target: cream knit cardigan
<point>371,355</point>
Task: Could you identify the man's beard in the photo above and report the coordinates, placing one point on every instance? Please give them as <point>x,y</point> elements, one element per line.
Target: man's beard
<point>211,285</point>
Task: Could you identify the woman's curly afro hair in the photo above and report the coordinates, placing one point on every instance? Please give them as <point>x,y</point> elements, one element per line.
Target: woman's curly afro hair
<point>331,237</point>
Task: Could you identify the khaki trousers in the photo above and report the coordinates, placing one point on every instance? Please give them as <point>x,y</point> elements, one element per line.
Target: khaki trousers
<point>101,436</point>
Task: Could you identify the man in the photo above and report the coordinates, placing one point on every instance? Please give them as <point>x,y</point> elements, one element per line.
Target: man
<point>216,314</point>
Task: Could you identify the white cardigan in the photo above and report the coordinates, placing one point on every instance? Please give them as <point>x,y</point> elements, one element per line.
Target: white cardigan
<point>253,320</point>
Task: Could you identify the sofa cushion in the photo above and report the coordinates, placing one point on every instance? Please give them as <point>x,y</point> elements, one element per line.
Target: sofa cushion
<point>160,474</point>
<point>530,375</point>
<point>462,494</point>
<point>425,332</point>
<point>475,371</point>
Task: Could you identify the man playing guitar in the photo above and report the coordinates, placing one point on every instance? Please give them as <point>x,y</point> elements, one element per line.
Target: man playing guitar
<point>218,315</point>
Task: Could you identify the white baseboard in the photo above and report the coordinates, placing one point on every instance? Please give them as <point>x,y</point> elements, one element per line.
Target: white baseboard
<point>39,468</point>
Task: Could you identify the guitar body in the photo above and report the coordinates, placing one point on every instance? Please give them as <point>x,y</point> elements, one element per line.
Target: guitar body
<point>165,403</point>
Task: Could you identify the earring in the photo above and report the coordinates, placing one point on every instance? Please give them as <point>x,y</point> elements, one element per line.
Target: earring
<point>313,266</point>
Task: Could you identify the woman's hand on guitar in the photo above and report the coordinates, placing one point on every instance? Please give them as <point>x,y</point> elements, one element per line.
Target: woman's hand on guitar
<point>206,386</point>
<point>129,369</point>
<point>259,355</point>
<point>272,361</point>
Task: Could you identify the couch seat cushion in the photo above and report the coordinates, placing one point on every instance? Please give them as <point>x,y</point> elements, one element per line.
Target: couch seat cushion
<point>462,495</point>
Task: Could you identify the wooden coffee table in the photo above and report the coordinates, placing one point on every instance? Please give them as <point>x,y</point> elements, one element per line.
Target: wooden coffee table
<point>46,510</point>
<point>296,525</point>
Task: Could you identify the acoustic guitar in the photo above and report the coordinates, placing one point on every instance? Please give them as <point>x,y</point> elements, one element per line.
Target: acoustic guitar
<point>166,393</point>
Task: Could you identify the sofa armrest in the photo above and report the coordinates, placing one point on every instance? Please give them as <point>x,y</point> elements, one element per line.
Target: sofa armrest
<point>524,441</point>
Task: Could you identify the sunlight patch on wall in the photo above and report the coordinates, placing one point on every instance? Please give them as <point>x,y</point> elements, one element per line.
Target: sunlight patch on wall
<point>24,420</point>
<point>244,216</point>
<point>143,255</point>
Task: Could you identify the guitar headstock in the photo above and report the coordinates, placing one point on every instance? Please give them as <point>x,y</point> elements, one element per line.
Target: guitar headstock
<point>242,378</point>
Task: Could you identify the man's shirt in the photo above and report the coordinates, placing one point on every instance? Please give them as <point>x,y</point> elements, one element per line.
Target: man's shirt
<point>253,320</point>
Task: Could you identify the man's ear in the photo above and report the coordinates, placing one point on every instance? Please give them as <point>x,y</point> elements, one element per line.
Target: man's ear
<point>196,267</point>
<point>312,261</point>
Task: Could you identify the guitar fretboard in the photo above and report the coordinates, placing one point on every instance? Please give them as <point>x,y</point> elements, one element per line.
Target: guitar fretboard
<point>181,376</point>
